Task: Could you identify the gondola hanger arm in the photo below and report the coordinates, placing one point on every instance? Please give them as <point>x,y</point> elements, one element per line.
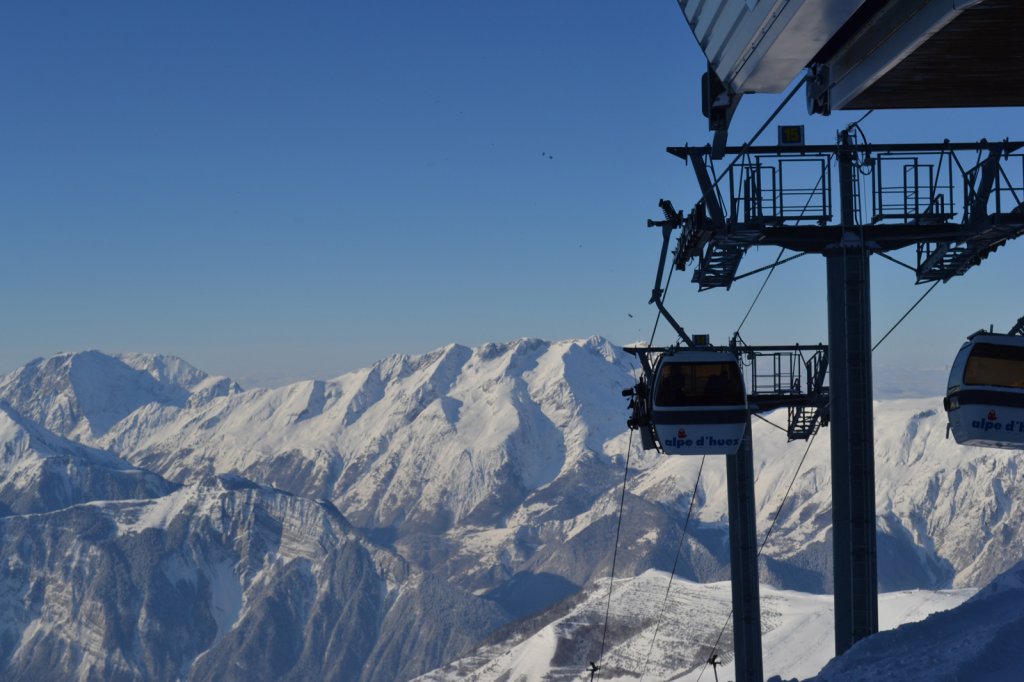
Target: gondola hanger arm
<point>673,219</point>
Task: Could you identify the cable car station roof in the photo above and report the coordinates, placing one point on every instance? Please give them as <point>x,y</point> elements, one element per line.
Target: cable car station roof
<point>867,54</point>
<point>912,54</point>
<point>761,45</point>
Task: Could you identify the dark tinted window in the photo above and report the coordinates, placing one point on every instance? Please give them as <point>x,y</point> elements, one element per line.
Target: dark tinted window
<point>704,383</point>
<point>993,365</point>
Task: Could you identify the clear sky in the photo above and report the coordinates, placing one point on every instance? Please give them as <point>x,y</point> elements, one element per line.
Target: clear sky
<point>280,190</point>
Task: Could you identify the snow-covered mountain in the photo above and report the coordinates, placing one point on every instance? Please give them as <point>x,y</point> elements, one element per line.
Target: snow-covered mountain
<point>82,395</point>
<point>478,464</point>
<point>504,461</point>
<point>948,516</point>
<point>492,475</point>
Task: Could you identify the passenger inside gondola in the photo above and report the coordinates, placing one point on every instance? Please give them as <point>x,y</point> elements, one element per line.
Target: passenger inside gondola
<point>992,365</point>
<point>672,385</point>
<point>717,387</point>
<point>699,384</point>
<point>723,385</point>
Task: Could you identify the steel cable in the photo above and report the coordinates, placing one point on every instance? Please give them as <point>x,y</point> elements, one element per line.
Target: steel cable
<point>675,563</point>
<point>595,666</point>
<point>764,542</point>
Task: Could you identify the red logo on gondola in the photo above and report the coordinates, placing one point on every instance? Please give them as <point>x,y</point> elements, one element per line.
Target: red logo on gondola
<point>992,416</point>
<point>682,433</point>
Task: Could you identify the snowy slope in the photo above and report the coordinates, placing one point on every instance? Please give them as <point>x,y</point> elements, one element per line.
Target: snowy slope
<point>978,641</point>
<point>661,632</point>
<point>40,471</point>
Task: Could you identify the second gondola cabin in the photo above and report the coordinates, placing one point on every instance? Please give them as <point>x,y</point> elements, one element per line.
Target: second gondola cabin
<point>699,402</point>
<point>985,395</point>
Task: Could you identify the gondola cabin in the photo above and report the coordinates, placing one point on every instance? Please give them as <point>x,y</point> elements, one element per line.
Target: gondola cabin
<point>698,402</point>
<point>985,396</point>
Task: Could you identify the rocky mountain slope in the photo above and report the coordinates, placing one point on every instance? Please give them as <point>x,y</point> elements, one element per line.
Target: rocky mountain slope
<point>222,579</point>
<point>41,472</point>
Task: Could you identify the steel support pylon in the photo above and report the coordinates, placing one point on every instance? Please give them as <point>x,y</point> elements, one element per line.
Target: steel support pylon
<point>855,582</point>
<point>746,593</point>
<point>750,205</point>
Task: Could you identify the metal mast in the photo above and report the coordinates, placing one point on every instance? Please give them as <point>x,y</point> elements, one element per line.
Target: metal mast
<point>855,572</point>
<point>746,587</point>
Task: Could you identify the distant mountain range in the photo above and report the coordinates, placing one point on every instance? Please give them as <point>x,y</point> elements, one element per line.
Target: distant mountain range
<point>160,523</point>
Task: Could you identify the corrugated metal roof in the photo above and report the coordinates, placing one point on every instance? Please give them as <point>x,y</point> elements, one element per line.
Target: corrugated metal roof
<point>974,59</point>
<point>762,45</point>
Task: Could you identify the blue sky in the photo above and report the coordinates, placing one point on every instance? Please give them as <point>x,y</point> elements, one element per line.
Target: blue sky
<point>282,190</point>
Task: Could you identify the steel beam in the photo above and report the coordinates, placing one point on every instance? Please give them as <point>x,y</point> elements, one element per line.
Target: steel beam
<point>746,594</point>
<point>853,458</point>
<point>686,152</point>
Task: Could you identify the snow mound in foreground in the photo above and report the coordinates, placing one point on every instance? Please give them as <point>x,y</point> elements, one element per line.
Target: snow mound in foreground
<point>979,641</point>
